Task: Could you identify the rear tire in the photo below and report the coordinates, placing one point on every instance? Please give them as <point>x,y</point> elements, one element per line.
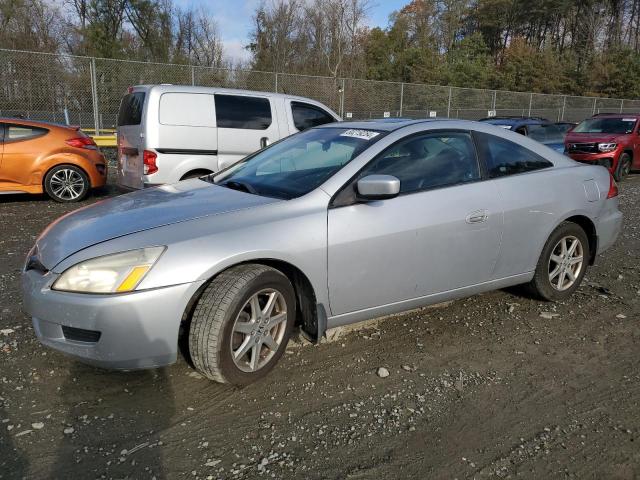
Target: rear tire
<point>562,264</point>
<point>66,184</point>
<point>242,323</point>
<point>624,167</point>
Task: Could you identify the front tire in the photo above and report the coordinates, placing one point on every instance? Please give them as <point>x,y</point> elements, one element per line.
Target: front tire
<point>242,323</point>
<point>66,184</point>
<point>624,167</point>
<point>562,264</point>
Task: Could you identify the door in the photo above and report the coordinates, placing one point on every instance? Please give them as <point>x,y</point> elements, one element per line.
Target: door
<point>20,149</point>
<point>529,189</point>
<point>441,233</point>
<point>245,124</point>
<point>130,140</point>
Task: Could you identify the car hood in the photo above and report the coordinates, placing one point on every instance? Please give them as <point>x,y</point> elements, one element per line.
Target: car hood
<point>138,211</point>
<point>590,138</point>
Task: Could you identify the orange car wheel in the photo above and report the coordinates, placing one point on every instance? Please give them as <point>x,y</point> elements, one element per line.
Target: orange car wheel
<point>66,183</point>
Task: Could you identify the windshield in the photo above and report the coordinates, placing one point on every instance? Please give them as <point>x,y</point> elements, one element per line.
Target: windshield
<point>606,125</point>
<point>298,164</point>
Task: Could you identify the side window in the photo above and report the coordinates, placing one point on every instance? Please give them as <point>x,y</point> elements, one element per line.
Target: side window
<point>307,116</point>
<point>237,111</point>
<point>15,133</point>
<point>504,157</point>
<point>521,130</point>
<point>428,161</point>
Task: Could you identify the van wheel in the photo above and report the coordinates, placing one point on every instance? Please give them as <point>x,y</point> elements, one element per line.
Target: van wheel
<point>241,324</point>
<point>562,264</point>
<point>624,167</point>
<point>66,183</point>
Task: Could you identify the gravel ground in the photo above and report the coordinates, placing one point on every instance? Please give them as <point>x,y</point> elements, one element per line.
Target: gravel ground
<point>496,385</point>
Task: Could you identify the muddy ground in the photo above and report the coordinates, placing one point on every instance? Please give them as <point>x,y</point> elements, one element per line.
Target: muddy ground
<point>497,385</point>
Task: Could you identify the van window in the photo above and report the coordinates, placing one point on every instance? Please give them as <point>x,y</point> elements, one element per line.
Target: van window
<point>237,111</point>
<point>131,109</point>
<point>187,109</point>
<point>308,116</point>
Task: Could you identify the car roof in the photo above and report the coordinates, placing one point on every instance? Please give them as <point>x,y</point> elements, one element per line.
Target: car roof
<point>169,87</point>
<point>385,124</point>
<point>515,121</point>
<point>36,123</point>
<point>616,115</point>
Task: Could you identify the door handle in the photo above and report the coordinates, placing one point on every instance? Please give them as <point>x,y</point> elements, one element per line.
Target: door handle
<point>264,142</point>
<point>478,216</point>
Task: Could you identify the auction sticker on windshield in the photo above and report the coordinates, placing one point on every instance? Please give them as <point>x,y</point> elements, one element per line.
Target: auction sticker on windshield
<point>362,134</point>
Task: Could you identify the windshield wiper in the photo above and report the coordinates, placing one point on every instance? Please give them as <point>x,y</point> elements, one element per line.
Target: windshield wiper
<point>241,186</point>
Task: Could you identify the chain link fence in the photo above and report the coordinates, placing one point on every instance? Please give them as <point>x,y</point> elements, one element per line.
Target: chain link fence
<point>87,91</point>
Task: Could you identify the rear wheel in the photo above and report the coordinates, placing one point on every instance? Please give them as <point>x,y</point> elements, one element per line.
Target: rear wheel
<point>624,167</point>
<point>66,184</point>
<point>242,323</point>
<point>562,264</point>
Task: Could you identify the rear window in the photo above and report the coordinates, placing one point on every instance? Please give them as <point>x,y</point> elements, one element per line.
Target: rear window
<point>308,116</point>
<point>237,111</point>
<point>131,109</point>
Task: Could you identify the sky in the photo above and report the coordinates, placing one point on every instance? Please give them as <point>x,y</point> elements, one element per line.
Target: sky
<point>234,18</point>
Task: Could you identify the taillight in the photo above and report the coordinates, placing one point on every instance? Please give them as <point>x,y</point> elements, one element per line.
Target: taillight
<point>82,142</point>
<point>613,187</point>
<point>149,160</point>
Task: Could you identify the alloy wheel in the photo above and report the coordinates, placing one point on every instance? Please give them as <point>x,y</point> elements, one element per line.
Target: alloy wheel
<point>565,263</point>
<point>258,330</point>
<point>67,184</point>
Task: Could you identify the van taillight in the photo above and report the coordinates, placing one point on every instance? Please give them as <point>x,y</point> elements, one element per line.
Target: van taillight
<point>613,187</point>
<point>149,160</point>
<point>82,142</point>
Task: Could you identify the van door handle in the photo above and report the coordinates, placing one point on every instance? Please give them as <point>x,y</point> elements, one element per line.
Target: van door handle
<point>264,142</point>
<point>478,216</point>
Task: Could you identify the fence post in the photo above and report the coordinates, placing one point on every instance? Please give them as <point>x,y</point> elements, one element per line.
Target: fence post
<point>193,76</point>
<point>595,103</point>
<point>94,95</point>
<point>401,97</point>
<point>564,106</point>
<point>530,103</point>
<point>621,105</point>
<point>276,75</point>
<point>449,104</point>
<point>342,94</point>
<point>493,102</point>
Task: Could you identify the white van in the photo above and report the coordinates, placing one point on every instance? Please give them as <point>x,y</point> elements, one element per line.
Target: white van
<point>167,133</point>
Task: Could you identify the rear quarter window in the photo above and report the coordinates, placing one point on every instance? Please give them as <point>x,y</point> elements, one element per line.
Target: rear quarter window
<point>504,157</point>
<point>308,116</point>
<point>187,109</point>
<point>244,112</point>
<point>16,133</point>
<point>131,109</point>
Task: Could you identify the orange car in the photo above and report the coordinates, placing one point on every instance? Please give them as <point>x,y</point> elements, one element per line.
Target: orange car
<point>37,157</point>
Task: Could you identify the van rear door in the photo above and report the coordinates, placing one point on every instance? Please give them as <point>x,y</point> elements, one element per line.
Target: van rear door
<point>131,140</point>
<point>246,123</point>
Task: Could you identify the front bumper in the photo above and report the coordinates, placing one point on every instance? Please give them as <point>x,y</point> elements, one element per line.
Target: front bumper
<point>124,331</point>
<point>607,160</point>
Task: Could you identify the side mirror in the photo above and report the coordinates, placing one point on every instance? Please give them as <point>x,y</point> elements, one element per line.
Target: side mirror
<point>377,187</point>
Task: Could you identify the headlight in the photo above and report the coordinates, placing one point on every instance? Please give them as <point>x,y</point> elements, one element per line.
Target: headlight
<point>120,272</point>
<point>607,147</point>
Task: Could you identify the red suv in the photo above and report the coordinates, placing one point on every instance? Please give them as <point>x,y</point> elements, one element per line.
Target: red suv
<point>610,140</point>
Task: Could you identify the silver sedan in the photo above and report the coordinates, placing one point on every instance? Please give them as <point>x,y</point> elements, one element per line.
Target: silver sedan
<point>334,225</point>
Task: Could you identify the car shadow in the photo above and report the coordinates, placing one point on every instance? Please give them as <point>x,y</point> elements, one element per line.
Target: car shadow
<point>114,422</point>
<point>12,462</point>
